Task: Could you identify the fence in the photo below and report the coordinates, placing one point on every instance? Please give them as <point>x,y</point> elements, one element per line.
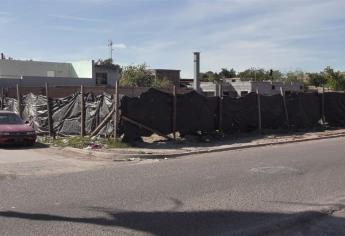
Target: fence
<point>157,111</point>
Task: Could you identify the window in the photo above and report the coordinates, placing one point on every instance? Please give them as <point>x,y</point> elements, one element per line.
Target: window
<point>273,87</point>
<point>244,93</point>
<point>301,87</point>
<point>50,73</point>
<point>101,78</point>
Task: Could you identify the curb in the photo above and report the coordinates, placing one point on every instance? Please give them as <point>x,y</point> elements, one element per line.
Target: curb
<point>129,156</point>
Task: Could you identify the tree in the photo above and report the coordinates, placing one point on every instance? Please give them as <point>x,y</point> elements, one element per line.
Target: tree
<point>334,79</point>
<point>136,76</point>
<point>225,73</point>
<point>316,79</point>
<point>254,74</point>
<point>295,76</point>
<point>211,77</point>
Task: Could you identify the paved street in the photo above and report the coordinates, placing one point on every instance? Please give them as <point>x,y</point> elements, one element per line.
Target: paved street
<point>294,189</point>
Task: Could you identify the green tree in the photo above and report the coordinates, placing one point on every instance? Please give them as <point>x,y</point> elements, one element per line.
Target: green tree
<point>254,74</point>
<point>211,76</point>
<point>295,76</point>
<point>136,76</point>
<point>316,79</point>
<point>334,79</point>
<point>225,73</point>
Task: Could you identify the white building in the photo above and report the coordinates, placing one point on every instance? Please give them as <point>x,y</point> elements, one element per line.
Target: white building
<point>37,73</point>
<point>236,87</point>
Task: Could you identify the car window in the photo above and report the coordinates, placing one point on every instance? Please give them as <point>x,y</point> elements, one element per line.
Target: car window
<point>10,119</point>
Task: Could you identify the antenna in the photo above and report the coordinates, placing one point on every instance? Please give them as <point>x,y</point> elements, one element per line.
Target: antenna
<point>110,45</point>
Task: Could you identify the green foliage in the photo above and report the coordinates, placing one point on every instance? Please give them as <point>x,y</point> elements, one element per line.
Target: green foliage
<point>225,73</point>
<point>294,76</point>
<point>316,79</point>
<point>328,77</point>
<point>139,76</point>
<point>255,74</point>
<point>136,76</point>
<point>211,77</point>
<point>334,79</point>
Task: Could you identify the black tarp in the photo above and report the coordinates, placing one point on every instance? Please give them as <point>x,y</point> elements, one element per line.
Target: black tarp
<point>196,113</point>
<point>240,114</point>
<point>335,109</point>
<point>272,112</point>
<point>304,110</point>
<point>153,109</point>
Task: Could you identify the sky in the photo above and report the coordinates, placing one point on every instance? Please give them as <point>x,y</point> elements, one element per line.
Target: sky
<point>272,34</point>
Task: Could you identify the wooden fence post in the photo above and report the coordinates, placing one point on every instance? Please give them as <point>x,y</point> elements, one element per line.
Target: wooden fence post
<point>285,107</point>
<point>220,110</point>
<point>50,123</point>
<point>82,110</point>
<point>174,112</point>
<point>116,109</point>
<point>259,110</point>
<point>323,116</point>
<point>2,99</point>
<point>19,100</point>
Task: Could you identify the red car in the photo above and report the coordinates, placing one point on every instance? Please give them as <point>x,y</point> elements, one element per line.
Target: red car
<point>13,130</point>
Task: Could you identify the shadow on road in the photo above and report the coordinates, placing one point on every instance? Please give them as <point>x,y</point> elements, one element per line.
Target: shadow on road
<point>24,147</point>
<point>194,222</point>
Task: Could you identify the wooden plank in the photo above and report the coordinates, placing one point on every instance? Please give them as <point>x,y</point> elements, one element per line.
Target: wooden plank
<point>144,127</point>
<point>2,98</point>
<point>116,109</point>
<point>103,123</point>
<point>174,112</point>
<point>19,100</point>
<point>285,107</point>
<point>50,123</point>
<point>220,111</point>
<point>323,116</point>
<point>82,110</point>
<point>259,111</point>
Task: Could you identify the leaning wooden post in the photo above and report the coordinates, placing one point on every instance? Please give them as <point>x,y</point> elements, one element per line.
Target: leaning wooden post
<point>19,99</point>
<point>82,112</point>
<point>285,107</point>
<point>50,123</point>
<point>2,99</point>
<point>116,109</point>
<point>259,110</point>
<point>220,108</point>
<point>174,112</point>
<point>323,116</point>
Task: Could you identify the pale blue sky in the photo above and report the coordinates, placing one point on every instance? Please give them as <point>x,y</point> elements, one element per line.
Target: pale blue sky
<point>279,34</point>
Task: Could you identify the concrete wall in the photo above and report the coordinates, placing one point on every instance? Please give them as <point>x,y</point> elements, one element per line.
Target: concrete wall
<point>113,75</point>
<point>13,68</point>
<point>30,81</point>
<point>83,69</point>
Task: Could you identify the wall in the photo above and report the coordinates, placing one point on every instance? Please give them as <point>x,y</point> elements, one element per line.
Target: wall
<point>29,81</point>
<point>113,75</point>
<point>14,68</point>
<point>83,69</point>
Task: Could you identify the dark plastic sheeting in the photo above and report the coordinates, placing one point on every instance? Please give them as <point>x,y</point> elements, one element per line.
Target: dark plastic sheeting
<point>240,114</point>
<point>304,110</point>
<point>335,109</point>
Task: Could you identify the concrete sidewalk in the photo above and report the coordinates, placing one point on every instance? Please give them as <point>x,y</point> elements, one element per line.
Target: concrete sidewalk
<point>162,150</point>
<point>40,161</point>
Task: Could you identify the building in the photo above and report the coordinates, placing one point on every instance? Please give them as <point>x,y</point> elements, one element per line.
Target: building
<point>235,87</point>
<point>171,75</point>
<point>264,87</point>
<point>37,73</point>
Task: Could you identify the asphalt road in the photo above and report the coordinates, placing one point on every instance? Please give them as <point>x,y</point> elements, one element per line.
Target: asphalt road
<point>294,189</point>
